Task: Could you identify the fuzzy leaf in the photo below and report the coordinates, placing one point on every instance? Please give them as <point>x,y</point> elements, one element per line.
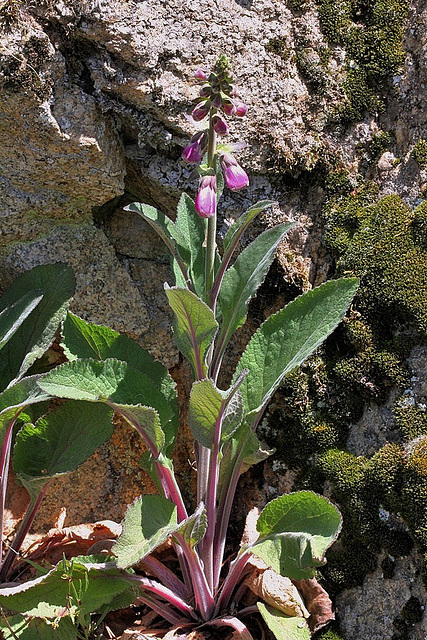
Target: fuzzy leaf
<point>21,394</point>
<point>116,383</point>
<point>62,440</point>
<point>193,228</point>
<point>48,595</point>
<point>12,317</point>
<point>282,626</point>
<point>208,405</point>
<point>148,522</point>
<point>56,283</point>
<point>288,337</point>
<point>83,339</point>
<point>237,229</point>
<point>295,532</point>
<point>25,628</point>
<point>194,327</point>
<point>169,232</point>
<point>242,280</point>
<point>193,528</point>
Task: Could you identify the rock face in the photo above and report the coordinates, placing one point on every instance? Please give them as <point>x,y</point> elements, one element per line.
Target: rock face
<point>92,102</point>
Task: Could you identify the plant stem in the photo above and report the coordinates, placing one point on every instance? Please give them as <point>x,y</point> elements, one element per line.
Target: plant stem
<point>202,593</point>
<point>164,592</point>
<point>211,231</point>
<point>4,471</point>
<point>207,544</point>
<point>236,568</point>
<point>21,533</point>
<point>151,565</point>
<point>224,508</point>
<point>162,609</point>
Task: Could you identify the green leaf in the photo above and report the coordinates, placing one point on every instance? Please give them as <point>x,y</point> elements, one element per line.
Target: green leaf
<point>83,339</point>
<point>193,528</point>
<point>12,317</point>
<point>15,398</point>
<point>125,389</point>
<point>282,626</point>
<point>295,532</point>
<point>242,280</point>
<point>148,522</point>
<point>194,327</point>
<point>193,228</point>
<point>49,595</point>
<point>169,232</point>
<point>208,406</point>
<point>55,282</point>
<point>288,337</point>
<point>237,229</point>
<point>62,440</point>
<point>25,628</point>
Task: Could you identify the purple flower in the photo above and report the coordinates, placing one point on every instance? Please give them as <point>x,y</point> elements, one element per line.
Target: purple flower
<point>235,177</point>
<point>228,107</point>
<point>193,151</point>
<point>201,75</point>
<point>241,109</point>
<point>201,111</point>
<point>220,126</point>
<point>206,197</point>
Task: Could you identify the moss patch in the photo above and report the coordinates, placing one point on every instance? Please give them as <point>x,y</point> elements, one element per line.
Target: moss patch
<point>419,153</point>
<point>371,31</point>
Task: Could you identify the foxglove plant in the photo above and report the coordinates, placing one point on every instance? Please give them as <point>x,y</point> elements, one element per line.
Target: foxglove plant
<point>209,303</point>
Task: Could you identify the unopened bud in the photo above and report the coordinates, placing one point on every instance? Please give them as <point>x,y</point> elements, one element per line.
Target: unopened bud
<point>201,75</point>
<point>193,152</point>
<point>228,107</point>
<point>241,109</point>
<point>201,111</point>
<point>206,197</point>
<point>220,126</point>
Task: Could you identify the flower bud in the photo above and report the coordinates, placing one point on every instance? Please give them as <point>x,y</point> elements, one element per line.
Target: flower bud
<point>228,107</point>
<point>205,91</point>
<point>216,101</point>
<point>241,109</point>
<point>235,177</point>
<point>220,126</point>
<point>201,111</point>
<point>206,197</point>
<point>193,151</point>
<point>201,75</point>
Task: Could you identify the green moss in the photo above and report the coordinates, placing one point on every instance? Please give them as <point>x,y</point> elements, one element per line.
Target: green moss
<point>329,634</point>
<point>371,31</point>
<point>419,225</point>
<point>345,469</point>
<point>377,145</point>
<point>297,5</point>
<point>419,153</point>
<point>280,47</point>
<point>313,67</point>
<point>390,264</point>
<point>411,419</point>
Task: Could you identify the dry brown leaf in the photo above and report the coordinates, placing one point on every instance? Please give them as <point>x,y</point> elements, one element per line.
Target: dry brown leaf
<point>277,591</point>
<point>71,541</point>
<point>317,602</point>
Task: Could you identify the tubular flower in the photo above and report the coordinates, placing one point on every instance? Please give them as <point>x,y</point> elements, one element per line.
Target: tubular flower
<point>201,75</point>
<point>235,177</point>
<point>206,197</point>
<point>220,126</point>
<point>201,111</point>
<point>193,152</point>
<point>241,109</point>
